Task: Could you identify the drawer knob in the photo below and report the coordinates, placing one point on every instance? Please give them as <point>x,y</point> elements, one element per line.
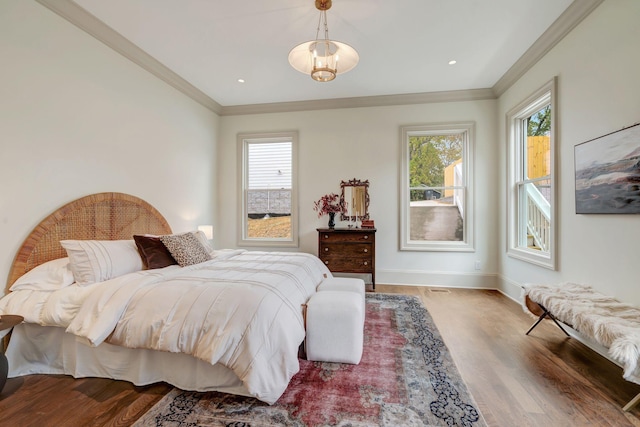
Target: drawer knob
<point>366,263</point>
<point>366,250</point>
<point>326,262</point>
<point>326,236</point>
<point>366,237</point>
<point>326,249</point>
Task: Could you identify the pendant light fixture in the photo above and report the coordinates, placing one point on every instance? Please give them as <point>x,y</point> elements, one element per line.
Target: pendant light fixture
<point>323,58</point>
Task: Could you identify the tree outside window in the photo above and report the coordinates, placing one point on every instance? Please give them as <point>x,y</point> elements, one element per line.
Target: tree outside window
<point>437,194</point>
<point>531,199</point>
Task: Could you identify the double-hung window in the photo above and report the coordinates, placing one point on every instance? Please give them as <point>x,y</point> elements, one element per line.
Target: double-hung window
<point>269,194</point>
<point>531,178</point>
<point>436,187</point>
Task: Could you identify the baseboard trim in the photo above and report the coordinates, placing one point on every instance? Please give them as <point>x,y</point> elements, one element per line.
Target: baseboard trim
<point>509,288</point>
<point>437,278</point>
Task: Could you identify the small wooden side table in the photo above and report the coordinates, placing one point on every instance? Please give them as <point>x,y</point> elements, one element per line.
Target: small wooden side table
<point>7,321</point>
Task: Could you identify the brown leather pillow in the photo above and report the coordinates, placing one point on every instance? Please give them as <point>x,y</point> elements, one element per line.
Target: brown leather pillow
<point>153,252</point>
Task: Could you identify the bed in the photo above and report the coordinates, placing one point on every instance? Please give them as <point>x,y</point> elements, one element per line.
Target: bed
<point>231,321</point>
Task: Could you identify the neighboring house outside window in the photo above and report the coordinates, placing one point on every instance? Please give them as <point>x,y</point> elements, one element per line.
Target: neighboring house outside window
<point>436,193</point>
<point>531,178</point>
<point>269,194</point>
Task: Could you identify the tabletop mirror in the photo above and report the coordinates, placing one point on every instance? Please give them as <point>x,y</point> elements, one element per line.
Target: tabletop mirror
<point>354,199</point>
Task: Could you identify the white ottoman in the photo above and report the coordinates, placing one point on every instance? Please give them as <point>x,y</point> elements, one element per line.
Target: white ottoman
<point>335,327</point>
<point>344,284</point>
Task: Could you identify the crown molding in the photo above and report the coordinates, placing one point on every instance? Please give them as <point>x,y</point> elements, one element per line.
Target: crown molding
<point>78,16</point>
<point>82,19</point>
<point>570,18</point>
<point>363,101</point>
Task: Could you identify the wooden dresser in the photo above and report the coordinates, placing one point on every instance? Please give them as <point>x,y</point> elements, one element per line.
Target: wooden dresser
<point>348,250</point>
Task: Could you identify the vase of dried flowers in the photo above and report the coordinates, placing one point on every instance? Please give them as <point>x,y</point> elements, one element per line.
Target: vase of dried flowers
<point>329,204</point>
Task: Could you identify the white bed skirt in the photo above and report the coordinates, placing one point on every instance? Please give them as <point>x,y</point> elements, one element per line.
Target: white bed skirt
<point>35,349</point>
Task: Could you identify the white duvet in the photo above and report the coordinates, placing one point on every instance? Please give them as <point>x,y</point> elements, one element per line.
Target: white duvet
<point>242,309</point>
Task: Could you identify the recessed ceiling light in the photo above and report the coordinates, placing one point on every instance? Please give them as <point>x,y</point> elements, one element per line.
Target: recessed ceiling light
<point>452,62</point>
<point>240,80</point>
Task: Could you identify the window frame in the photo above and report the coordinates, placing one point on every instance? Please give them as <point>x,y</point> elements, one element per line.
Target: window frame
<point>516,147</point>
<point>468,241</point>
<point>243,141</point>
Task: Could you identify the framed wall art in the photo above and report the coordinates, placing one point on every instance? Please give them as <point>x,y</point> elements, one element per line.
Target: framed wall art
<point>608,173</point>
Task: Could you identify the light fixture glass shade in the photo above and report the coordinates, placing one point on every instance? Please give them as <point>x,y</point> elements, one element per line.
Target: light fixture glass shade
<point>322,59</point>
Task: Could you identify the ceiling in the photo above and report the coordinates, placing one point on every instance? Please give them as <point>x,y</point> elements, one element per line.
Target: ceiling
<point>404,45</point>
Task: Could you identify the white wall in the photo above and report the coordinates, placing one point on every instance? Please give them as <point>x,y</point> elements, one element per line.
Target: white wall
<point>364,143</point>
<point>76,118</point>
<point>598,69</point>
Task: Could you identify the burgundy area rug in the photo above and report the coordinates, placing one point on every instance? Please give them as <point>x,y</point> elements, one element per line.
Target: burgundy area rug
<point>406,378</point>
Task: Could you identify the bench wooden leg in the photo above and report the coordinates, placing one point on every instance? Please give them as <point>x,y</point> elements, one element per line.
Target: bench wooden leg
<point>632,403</point>
<point>545,313</point>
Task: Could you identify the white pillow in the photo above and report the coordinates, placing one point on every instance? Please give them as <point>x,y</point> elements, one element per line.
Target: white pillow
<point>205,242</point>
<point>50,276</point>
<point>99,260</point>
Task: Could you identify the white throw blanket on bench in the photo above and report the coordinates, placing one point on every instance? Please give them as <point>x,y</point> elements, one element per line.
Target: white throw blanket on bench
<point>609,322</point>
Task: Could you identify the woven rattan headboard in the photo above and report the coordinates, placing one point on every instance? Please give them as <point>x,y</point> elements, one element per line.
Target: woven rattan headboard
<point>103,216</point>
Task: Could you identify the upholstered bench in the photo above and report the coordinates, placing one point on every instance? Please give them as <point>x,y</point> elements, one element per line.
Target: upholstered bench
<point>335,321</point>
<point>598,317</point>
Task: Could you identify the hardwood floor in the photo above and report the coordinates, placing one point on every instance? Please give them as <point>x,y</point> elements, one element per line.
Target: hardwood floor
<point>543,379</point>
<point>61,401</point>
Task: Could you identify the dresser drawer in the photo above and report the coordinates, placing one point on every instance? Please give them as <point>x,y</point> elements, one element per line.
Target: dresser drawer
<point>346,237</point>
<point>353,250</point>
<point>342,264</point>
